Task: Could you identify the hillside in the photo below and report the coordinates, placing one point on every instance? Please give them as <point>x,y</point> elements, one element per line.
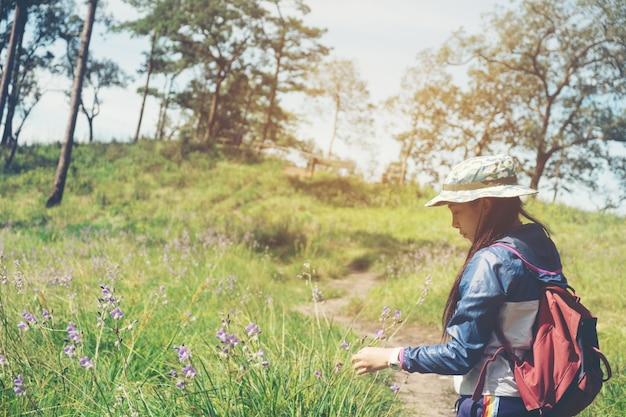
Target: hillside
<point>160,222</point>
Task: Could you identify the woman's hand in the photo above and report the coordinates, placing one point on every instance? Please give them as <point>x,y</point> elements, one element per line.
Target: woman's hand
<point>371,359</point>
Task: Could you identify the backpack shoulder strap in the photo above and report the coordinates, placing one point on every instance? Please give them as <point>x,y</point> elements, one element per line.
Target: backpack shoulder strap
<point>480,384</point>
<point>526,262</point>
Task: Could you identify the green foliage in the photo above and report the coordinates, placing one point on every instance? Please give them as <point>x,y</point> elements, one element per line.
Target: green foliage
<point>188,244</point>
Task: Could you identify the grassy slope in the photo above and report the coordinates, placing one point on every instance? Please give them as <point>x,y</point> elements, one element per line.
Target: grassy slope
<point>145,195</point>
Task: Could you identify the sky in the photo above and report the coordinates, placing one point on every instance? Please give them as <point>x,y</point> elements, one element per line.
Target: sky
<point>385,36</point>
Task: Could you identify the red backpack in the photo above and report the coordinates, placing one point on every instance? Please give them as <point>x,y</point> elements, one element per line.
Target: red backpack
<point>561,374</point>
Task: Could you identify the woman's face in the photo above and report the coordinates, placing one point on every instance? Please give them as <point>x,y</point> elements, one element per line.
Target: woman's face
<point>466,217</point>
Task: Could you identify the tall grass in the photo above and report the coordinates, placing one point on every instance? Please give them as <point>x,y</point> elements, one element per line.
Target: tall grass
<point>165,284</point>
<point>94,324</point>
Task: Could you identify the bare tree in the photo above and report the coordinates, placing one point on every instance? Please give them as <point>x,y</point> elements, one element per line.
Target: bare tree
<point>420,115</point>
<point>339,82</point>
<point>81,65</point>
<point>99,75</point>
<point>146,87</point>
<point>293,48</point>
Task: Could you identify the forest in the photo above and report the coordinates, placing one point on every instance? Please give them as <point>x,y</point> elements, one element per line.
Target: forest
<point>543,81</point>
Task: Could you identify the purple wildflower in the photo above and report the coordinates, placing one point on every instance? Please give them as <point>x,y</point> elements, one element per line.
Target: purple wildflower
<point>318,295</point>
<point>69,350</point>
<point>395,388</point>
<point>3,360</point>
<point>221,335</point>
<point>397,314</point>
<point>18,387</point>
<point>318,374</point>
<point>19,381</point>
<point>46,315</point>
<point>227,339</point>
<point>85,362</point>
<point>386,311</point>
<point>22,326</point>
<point>73,332</point>
<point>189,372</point>
<point>116,313</point>
<point>344,345</point>
<point>107,295</point>
<point>380,334</point>
<point>180,384</point>
<point>265,363</point>
<point>29,317</point>
<point>252,330</point>
<point>183,353</point>
<point>232,340</point>
<point>173,373</point>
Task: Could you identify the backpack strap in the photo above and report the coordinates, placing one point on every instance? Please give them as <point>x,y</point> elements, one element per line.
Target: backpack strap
<point>478,390</point>
<point>506,348</point>
<point>609,371</point>
<point>528,264</point>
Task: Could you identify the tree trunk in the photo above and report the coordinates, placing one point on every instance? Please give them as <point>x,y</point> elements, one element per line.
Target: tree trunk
<point>213,109</point>
<point>272,98</point>
<point>404,160</point>
<point>147,85</point>
<point>168,91</point>
<point>540,165</point>
<point>557,177</point>
<point>334,132</point>
<point>7,162</point>
<point>19,22</point>
<point>7,135</point>
<point>66,151</point>
<point>165,103</point>
<point>12,97</point>
<point>89,118</point>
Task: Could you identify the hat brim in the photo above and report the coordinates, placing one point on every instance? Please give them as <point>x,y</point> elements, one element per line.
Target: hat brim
<point>501,191</point>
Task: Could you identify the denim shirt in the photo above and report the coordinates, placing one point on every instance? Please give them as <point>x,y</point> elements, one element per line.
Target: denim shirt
<point>496,289</point>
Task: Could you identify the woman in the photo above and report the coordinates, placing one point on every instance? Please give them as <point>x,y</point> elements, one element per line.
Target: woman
<point>494,295</point>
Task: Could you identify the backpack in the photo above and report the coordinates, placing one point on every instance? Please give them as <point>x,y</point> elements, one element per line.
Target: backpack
<point>561,374</point>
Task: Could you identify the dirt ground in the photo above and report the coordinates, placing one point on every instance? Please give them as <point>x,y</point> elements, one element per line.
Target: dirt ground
<point>422,394</point>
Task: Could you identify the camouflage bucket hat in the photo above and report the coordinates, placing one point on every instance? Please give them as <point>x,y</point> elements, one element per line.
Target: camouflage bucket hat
<point>482,176</point>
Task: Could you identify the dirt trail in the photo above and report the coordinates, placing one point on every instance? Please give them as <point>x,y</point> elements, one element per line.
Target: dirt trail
<point>423,394</point>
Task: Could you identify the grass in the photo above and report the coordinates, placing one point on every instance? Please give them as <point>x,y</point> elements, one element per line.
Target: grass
<point>193,246</point>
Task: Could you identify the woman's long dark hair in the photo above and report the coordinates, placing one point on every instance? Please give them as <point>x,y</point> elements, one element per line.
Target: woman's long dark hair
<point>502,216</point>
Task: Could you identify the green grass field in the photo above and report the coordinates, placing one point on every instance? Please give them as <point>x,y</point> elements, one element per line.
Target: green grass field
<point>166,282</point>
